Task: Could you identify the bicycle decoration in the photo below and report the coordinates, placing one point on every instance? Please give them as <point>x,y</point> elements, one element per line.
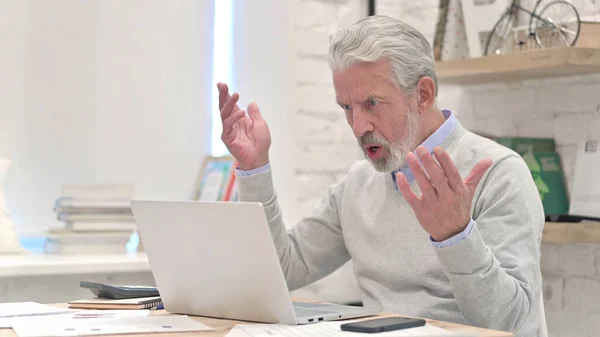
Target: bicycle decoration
<point>555,24</point>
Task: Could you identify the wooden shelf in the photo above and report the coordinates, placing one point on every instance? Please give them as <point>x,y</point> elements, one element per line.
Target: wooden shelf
<point>563,232</point>
<point>518,66</point>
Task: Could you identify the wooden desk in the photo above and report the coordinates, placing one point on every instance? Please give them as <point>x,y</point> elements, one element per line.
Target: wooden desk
<point>223,326</point>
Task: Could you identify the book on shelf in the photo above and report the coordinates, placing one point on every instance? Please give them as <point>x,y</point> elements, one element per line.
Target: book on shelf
<point>100,225</point>
<point>98,191</point>
<point>59,240</point>
<point>95,197</point>
<point>546,170</point>
<point>523,145</point>
<point>216,180</point>
<point>52,247</point>
<point>65,203</point>
<point>545,166</point>
<point>64,235</point>
<point>72,217</point>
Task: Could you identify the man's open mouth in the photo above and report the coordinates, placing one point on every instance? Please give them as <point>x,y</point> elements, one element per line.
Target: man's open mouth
<point>373,151</point>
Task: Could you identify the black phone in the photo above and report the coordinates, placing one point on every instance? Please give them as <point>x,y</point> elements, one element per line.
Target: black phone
<point>383,324</point>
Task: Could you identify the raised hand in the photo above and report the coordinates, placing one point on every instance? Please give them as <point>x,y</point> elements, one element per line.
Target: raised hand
<point>444,208</point>
<point>246,136</point>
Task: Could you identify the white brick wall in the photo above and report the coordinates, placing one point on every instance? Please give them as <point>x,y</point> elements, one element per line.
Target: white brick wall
<point>323,146</point>
<point>567,109</point>
<point>571,285</point>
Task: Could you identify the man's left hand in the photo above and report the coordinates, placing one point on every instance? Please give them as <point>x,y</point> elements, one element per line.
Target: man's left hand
<point>444,208</point>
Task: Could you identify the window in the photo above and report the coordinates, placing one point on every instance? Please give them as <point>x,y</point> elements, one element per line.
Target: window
<point>222,60</point>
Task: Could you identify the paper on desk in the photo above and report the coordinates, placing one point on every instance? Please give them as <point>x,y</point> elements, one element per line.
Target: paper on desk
<point>14,311</point>
<point>27,308</point>
<point>108,326</point>
<point>102,314</point>
<point>329,329</point>
<point>75,314</point>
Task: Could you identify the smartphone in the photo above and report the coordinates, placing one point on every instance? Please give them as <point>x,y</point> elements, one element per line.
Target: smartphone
<point>383,324</point>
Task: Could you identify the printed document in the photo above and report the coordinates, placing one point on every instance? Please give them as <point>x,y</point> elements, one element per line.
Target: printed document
<point>108,326</point>
<point>10,312</point>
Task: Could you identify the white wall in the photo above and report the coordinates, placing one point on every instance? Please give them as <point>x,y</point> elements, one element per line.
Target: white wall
<point>322,145</point>
<point>12,40</point>
<point>261,65</point>
<point>113,92</point>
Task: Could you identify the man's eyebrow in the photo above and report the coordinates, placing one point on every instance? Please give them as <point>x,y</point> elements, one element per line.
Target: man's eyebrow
<point>375,96</point>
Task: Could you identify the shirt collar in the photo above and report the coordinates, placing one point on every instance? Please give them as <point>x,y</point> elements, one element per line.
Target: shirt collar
<point>434,140</point>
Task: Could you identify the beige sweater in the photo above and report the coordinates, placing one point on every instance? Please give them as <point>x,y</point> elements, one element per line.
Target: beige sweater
<point>491,279</point>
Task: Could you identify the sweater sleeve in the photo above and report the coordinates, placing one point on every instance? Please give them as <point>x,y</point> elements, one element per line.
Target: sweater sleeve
<point>495,272</point>
<point>315,246</point>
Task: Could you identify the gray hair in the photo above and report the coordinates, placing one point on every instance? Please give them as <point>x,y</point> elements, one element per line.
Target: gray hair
<point>378,36</point>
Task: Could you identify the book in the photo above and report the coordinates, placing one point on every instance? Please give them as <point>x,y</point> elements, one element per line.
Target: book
<point>545,168</point>
<point>87,237</point>
<point>101,226</point>
<point>63,241</point>
<point>216,179</point>
<point>523,145</point>
<point>106,216</point>
<point>124,304</point>
<point>114,205</point>
<point>98,191</point>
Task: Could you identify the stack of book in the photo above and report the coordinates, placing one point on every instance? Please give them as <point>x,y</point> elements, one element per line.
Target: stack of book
<point>93,219</point>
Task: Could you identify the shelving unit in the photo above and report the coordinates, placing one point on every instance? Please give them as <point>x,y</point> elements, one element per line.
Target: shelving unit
<point>517,66</point>
<point>563,232</point>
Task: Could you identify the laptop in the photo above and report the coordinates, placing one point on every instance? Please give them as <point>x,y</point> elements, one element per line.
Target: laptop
<point>218,259</point>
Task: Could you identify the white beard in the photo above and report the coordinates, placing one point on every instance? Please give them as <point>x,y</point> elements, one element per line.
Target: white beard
<point>398,149</point>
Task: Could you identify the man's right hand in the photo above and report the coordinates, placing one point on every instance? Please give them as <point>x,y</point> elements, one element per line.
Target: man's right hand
<point>247,137</point>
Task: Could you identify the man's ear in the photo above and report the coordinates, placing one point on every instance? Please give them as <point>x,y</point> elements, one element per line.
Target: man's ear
<point>426,93</point>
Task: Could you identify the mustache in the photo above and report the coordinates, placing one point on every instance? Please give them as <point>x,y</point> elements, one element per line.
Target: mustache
<point>372,138</point>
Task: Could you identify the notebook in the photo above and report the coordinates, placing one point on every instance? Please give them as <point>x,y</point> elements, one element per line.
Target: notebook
<point>125,304</point>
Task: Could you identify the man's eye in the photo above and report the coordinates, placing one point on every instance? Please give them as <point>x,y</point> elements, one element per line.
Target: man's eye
<point>346,107</point>
<point>373,102</point>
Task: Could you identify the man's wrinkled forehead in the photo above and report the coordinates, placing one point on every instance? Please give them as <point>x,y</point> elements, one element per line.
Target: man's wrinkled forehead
<point>360,82</point>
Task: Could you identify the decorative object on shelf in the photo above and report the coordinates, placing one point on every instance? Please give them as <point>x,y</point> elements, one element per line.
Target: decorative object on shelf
<point>585,193</point>
<point>556,24</point>
<point>9,241</point>
<point>440,29</point>
<point>478,16</point>
<point>216,180</point>
<point>455,45</point>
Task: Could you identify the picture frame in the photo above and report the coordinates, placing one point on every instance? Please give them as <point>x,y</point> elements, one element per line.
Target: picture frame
<point>216,180</point>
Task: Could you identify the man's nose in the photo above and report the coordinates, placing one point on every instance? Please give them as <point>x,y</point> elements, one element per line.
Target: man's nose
<point>360,124</point>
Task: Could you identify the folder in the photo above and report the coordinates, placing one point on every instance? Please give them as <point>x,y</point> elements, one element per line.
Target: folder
<point>124,304</point>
